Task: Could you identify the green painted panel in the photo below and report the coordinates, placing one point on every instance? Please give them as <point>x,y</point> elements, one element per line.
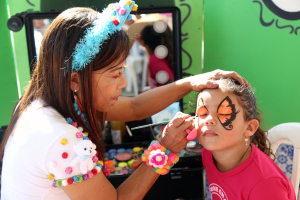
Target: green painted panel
<point>266,55</point>
<point>8,81</point>
<point>20,44</point>
<point>191,41</point>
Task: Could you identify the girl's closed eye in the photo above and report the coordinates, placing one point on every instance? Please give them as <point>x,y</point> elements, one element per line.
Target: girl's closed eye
<point>202,112</point>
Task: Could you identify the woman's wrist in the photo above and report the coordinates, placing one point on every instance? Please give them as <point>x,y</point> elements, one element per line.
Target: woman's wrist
<point>160,159</point>
<point>185,84</point>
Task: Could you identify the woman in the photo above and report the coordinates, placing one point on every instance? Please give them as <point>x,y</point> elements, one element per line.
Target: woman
<point>78,77</point>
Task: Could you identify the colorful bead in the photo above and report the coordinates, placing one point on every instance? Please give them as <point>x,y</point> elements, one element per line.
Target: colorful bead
<point>111,5</point>
<point>117,7</point>
<point>80,179</point>
<point>74,124</point>
<point>90,138</point>
<point>79,134</point>
<point>90,175</point>
<point>64,155</point>
<point>75,179</point>
<point>99,165</point>
<point>95,159</point>
<point>70,181</point>
<point>69,170</point>
<point>96,153</point>
<point>94,171</point>
<point>54,184</point>
<point>64,141</point>
<point>86,133</point>
<point>85,138</point>
<point>58,183</point>
<point>135,7</point>
<point>80,128</point>
<point>129,17</point>
<point>50,176</point>
<point>100,162</point>
<point>115,22</point>
<point>122,11</point>
<point>85,177</point>
<point>64,182</point>
<point>98,168</point>
<point>128,3</point>
<point>69,120</point>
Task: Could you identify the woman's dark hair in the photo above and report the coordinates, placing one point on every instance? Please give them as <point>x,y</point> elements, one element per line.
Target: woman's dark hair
<point>153,39</point>
<point>247,100</point>
<point>51,78</point>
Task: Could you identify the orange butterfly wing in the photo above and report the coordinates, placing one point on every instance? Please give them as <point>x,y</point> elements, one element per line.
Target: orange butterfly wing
<point>224,111</point>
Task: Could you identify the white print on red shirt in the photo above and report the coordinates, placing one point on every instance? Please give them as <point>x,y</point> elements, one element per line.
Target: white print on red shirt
<point>216,190</point>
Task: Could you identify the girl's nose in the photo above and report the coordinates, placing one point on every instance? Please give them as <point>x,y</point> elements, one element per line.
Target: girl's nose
<point>210,121</point>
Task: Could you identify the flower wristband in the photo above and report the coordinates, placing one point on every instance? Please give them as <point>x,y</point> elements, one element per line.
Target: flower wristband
<point>159,158</point>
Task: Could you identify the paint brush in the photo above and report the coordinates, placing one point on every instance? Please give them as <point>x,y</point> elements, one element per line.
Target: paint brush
<point>155,124</point>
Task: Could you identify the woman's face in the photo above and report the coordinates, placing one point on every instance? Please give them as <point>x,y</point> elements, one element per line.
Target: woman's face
<point>107,84</point>
<point>220,122</point>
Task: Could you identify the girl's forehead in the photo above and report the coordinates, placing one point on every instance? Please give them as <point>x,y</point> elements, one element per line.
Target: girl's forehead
<point>214,97</point>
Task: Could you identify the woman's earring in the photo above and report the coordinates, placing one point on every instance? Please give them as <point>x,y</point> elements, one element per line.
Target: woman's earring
<point>78,108</point>
<point>246,140</point>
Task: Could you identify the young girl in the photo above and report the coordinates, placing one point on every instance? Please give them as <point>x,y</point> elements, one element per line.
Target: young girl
<point>235,153</point>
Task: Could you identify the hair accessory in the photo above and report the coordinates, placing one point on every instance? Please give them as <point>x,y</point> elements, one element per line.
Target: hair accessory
<point>159,158</point>
<point>107,23</point>
<point>78,109</point>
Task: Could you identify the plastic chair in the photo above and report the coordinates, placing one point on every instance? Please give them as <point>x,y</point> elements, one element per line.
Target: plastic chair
<point>279,134</point>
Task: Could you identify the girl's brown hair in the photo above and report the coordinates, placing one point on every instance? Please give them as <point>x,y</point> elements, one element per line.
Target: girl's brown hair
<point>247,100</point>
<point>51,78</point>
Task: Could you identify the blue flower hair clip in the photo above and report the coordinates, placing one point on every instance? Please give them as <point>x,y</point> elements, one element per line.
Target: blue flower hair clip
<point>107,23</point>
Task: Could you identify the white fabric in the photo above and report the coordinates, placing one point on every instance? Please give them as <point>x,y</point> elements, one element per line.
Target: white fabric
<point>35,143</point>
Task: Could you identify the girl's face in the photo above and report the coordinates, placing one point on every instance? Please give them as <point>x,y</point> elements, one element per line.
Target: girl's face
<point>107,86</point>
<point>220,122</point>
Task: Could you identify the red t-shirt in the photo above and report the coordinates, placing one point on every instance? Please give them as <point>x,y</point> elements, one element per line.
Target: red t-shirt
<point>159,71</point>
<point>257,178</point>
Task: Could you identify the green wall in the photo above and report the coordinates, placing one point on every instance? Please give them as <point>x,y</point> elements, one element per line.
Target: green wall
<point>191,41</point>
<point>8,81</point>
<point>268,57</point>
<point>14,74</point>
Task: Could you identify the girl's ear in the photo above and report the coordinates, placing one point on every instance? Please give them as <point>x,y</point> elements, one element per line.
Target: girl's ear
<point>74,81</point>
<point>253,125</point>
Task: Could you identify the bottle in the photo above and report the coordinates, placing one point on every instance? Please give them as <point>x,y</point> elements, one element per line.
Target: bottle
<point>118,131</point>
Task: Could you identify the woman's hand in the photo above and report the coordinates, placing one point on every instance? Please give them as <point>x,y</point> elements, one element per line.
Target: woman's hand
<point>174,135</point>
<point>202,81</point>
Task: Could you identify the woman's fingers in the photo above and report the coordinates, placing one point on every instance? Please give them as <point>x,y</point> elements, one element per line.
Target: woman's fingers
<point>230,74</point>
<point>174,134</point>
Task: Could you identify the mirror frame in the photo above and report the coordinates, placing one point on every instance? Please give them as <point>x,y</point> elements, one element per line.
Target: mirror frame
<point>176,20</point>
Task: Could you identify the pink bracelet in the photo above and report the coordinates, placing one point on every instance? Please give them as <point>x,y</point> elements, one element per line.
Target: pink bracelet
<point>159,158</point>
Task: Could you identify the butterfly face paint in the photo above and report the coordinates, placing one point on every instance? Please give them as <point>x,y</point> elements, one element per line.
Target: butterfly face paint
<point>201,111</point>
<point>227,113</point>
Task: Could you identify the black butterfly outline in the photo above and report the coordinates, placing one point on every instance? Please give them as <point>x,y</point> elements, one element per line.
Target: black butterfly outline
<point>229,121</point>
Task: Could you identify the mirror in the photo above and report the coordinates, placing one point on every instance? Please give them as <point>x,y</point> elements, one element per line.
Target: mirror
<point>155,54</point>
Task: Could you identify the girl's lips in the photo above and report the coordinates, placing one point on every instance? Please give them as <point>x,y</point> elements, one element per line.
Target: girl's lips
<point>209,133</point>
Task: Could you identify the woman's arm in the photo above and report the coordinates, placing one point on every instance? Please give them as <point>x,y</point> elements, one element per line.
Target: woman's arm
<point>138,184</point>
<point>157,99</point>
